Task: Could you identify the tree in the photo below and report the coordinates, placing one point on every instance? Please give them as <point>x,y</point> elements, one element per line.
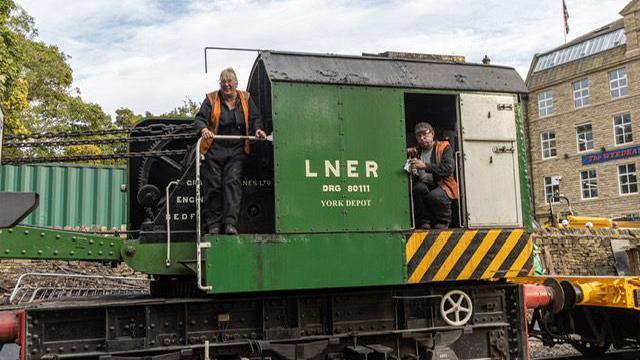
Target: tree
<point>125,118</point>
<point>189,108</point>
<point>13,88</point>
<point>35,84</point>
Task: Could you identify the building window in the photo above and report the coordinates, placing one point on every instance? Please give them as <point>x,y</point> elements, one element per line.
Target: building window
<point>589,184</point>
<point>552,189</point>
<point>628,179</point>
<point>545,103</point>
<point>618,82</point>
<point>581,93</point>
<point>622,129</point>
<point>584,134</point>
<point>548,142</point>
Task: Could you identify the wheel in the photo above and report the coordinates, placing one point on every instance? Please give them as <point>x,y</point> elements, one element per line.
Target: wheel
<point>456,308</point>
<point>591,349</point>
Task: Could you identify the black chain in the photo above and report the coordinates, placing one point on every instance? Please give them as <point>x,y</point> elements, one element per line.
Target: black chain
<point>143,134</point>
<point>153,129</point>
<point>46,159</point>
<point>98,141</point>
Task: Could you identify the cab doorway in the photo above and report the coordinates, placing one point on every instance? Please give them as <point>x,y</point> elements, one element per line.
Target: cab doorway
<point>441,111</point>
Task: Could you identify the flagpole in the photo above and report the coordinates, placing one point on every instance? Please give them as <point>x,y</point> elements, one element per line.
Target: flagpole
<point>564,23</point>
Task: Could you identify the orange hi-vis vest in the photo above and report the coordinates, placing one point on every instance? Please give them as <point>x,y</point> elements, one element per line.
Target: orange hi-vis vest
<point>216,109</point>
<point>448,184</point>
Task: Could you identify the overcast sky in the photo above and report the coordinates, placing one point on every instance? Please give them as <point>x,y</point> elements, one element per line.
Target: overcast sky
<point>148,54</point>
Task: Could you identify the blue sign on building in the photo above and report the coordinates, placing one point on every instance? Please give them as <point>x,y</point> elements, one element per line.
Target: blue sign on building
<point>610,155</point>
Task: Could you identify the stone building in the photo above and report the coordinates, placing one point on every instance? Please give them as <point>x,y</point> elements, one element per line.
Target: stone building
<point>584,121</point>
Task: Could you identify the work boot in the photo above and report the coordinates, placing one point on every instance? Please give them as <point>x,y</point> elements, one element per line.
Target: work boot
<point>441,226</point>
<point>230,229</point>
<point>213,229</point>
<point>425,226</point>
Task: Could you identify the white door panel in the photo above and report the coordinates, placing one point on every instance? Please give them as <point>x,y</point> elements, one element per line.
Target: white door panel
<point>484,120</point>
<point>490,165</point>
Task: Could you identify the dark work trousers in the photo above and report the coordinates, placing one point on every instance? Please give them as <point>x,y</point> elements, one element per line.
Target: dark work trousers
<point>221,177</point>
<point>430,206</point>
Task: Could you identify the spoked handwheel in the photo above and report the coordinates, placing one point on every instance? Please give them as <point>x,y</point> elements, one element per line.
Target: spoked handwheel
<point>456,308</point>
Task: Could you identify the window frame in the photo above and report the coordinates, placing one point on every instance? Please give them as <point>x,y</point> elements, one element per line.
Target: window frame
<point>586,141</point>
<point>548,103</point>
<point>582,181</point>
<point>635,174</point>
<point>582,97</point>
<point>617,80</point>
<point>615,135</point>
<point>555,146</point>
<point>544,187</point>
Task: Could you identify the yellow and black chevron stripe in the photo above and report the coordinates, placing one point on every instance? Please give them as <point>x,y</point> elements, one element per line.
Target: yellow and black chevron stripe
<point>459,254</point>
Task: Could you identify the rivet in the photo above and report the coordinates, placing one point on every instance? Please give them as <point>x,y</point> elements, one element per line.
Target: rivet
<point>91,241</point>
<point>101,243</point>
<point>100,252</point>
<point>71,252</point>
<point>58,237</point>
<point>23,252</point>
<point>55,252</point>
<point>90,253</point>
<point>74,238</point>
<point>42,234</point>
<point>39,252</point>
<point>112,244</point>
<point>10,231</point>
<point>110,252</point>
<point>26,232</point>
<point>7,251</point>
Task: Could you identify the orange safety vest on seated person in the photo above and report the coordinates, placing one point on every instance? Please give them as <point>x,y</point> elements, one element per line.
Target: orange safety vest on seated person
<point>448,184</point>
<point>216,109</point>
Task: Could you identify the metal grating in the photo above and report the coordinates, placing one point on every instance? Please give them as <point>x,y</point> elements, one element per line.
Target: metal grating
<point>583,49</point>
<point>40,287</point>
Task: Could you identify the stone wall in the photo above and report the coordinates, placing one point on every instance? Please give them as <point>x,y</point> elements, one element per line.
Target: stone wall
<point>583,251</point>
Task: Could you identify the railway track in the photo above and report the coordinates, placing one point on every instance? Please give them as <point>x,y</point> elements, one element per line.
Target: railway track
<point>617,355</point>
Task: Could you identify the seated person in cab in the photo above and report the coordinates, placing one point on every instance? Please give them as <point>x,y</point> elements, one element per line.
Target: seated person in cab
<point>227,111</point>
<point>431,166</point>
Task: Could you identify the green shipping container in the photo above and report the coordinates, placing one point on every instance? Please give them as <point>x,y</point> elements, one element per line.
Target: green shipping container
<point>71,195</point>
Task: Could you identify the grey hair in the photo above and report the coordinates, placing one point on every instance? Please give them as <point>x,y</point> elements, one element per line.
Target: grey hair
<point>228,71</point>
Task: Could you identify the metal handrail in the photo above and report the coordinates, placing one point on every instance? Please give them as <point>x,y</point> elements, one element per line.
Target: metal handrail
<point>199,244</point>
<point>52,289</point>
<point>168,219</point>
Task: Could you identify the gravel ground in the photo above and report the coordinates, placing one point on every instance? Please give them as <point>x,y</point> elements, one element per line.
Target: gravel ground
<point>10,271</point>
<point>536,350</point>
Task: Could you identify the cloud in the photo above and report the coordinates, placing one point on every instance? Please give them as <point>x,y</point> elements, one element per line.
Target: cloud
<point>148,55</point>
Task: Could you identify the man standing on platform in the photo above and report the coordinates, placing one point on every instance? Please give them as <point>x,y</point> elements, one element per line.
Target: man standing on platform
<point>227,111</point>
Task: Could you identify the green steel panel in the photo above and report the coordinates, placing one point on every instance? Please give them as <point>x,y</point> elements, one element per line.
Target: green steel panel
<point>151,258</point>
<point>339,153</point>
<point>304,261</point>
<point>23,242</point>
<point>70,195</point>
<point>525,181</point>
